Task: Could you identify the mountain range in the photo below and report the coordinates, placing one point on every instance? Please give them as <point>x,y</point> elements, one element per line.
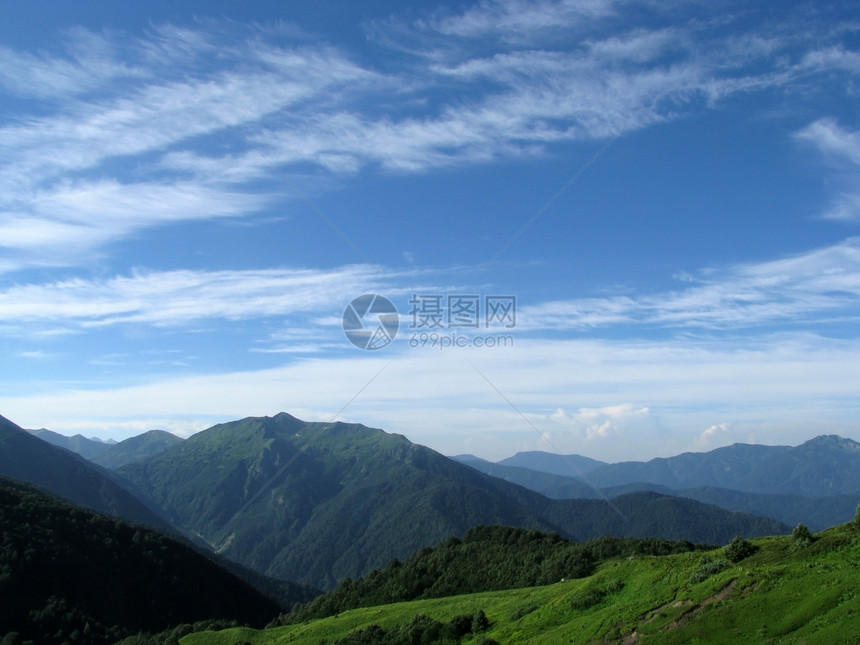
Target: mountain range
<point>317,503</point>
<point>816,483</point>
<point>269,499</point>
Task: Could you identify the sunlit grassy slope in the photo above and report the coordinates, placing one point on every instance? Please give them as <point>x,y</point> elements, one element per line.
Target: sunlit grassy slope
<point>780,594</point>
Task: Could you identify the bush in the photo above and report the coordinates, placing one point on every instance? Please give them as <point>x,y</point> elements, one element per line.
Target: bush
<point>739,548</point>
<point>801,537</point>
<point>523,611</point>
<point>707,569</point>
<point>857,518</point>
<point>588,598</point>
<point>480,623</point>
<point>592,596</point>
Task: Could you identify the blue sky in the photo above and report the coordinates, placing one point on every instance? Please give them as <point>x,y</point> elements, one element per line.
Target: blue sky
<point>190,197</point>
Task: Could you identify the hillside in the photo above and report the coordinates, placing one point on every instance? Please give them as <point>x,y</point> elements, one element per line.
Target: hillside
<point>487,558</point>
<point>70,575</point>
<point>26,458</point>
<point>357,497</point>
<point>693,597</point>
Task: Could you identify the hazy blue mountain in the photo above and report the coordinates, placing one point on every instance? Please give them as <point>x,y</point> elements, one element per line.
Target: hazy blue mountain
<point>831,458</point>
<point>137,448</point>
<point>86,448</point>
<point>27,458</point>
<point>318,502</point>
<point>826,465</point>
<point>548,484</point>
<point>550,462</point>
<point>71,575</point>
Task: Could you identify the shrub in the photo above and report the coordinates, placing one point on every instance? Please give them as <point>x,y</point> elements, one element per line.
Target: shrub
<point>857,518</point>
<point>801,537</point>
<point>592,596</point>
<point>480,623</point>
<point>707,569</point>
<point>739,548</point>
<point>523,611</point>
<point>588,598</point>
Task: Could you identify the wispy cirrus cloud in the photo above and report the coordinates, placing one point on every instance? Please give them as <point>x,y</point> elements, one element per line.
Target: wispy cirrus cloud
<point>819,287</point>
<point>841,150</point>
<point>520,19</point>
<point>810,288</point>
<point>67,183</point>
<point>169,114</point>
<point>178,297</point>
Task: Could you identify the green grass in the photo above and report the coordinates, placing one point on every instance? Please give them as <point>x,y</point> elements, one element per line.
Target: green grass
<point>778,595</point>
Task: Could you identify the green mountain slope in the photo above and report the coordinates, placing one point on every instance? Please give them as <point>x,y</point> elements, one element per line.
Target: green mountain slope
<point>136,449</point>
<point>356,497</point>
<point>781,594</point>
<point>26,458</point>
<point>487,558</point>
<point>70,575</point>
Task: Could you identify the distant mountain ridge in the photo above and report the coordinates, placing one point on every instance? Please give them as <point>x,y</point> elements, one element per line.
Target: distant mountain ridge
<point>86,448</point>
<point>112,454</point>
<point>553,463</point>
<point>816,483</point>
<point>825,465</point>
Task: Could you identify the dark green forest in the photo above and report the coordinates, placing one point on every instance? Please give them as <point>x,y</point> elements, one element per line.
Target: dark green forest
<point>68,575</point>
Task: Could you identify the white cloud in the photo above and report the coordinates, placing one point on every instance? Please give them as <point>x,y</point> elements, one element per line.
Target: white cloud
<point>181,101</point>
<point>88,62</point>
<point>71,220</point>
<point>820,284</point>
<point>712,436</point>
<point>176,297</point>
<point>841,149</point>
<point>62,186</point>
<point>520,19</point>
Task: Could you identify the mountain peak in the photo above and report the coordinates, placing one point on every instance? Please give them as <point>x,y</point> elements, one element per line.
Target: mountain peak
<point>833,441</point>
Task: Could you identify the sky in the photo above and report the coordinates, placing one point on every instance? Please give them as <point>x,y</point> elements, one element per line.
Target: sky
<point>623,229</point>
